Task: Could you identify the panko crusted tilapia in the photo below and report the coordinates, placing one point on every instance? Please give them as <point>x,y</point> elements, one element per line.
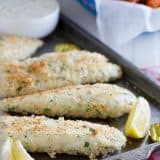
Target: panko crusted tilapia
<point>55,70</point>
<point>85,101</point>
<point>17,48</point>
<point>41,134</point>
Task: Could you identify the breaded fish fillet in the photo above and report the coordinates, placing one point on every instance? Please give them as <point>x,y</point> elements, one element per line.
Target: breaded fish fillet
<point>41,134</point>
<point>17,48</point>
<point>55,70</point>
<point>87,101</point>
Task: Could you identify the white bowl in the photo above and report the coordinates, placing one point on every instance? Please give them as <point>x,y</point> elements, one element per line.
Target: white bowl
<point>132,29</point>
<point>29,18</point>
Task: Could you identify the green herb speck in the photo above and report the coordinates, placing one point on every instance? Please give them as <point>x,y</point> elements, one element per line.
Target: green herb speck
<point>11,108</point>
<point>19,89</point>
<point>92,130</point>
<point>84,126</point>
<point>86,144</point>
<point>47,110</point>
<point>51,100</point>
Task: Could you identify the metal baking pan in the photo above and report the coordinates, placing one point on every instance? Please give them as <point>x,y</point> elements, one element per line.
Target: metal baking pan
<point>67,31</point>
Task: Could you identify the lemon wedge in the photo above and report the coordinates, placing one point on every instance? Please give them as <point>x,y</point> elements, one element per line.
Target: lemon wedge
<point>7,153</point>
<point>64,47</point>
<point>139,119</point>
<point>20,152</point>
<point>14,150</point>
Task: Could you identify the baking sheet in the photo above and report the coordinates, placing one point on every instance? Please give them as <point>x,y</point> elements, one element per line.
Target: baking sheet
<point>137,82</point>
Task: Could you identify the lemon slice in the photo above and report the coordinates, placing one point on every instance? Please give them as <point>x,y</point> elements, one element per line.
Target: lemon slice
<point>14,150</point>
<point>7,153</point>
<point>64,47</point>
<point>139,119</point>
<point>20,152</point>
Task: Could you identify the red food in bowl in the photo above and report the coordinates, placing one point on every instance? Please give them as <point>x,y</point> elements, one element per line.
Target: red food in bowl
<point>153,3</point>
<point>150,3</point>
<point>154,156</point>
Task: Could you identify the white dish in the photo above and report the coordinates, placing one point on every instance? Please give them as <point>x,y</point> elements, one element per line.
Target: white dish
<point>29,18</point>
<point>133,30</point>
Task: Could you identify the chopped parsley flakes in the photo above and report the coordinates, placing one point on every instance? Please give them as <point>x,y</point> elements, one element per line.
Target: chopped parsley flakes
<point>86,144</point>
<point>47,110</point>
